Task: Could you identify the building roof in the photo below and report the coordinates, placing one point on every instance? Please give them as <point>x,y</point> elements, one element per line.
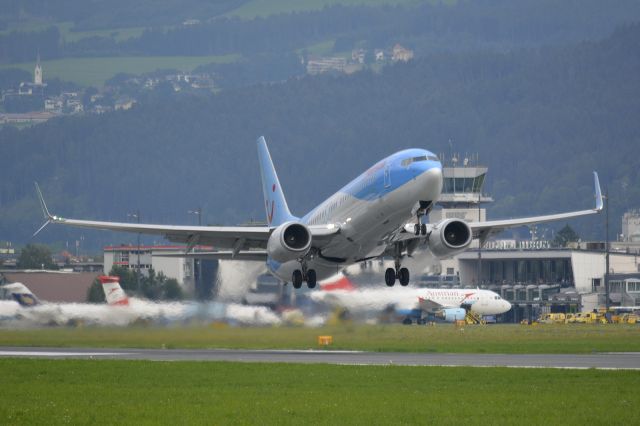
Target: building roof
<point>53,286</point>
<point>154,248</point>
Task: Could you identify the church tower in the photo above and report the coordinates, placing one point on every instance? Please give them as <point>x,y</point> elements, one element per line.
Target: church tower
<point>37,73</point>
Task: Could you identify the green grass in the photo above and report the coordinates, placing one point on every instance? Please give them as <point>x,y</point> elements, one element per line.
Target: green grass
<point>95,71</point>
<point>264,8</point>
<point>138,392</point>
<point>324,48</point>
<point>577,338</point>
<point>68,35</point>
<point>118,34</point>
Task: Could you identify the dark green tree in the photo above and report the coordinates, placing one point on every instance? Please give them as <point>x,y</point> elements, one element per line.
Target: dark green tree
<point>151,286</point>
<point>171,290</point>
<point>566,235</point>
<point>96,293</point>
<point>127,278</point>
<point>35,256</point>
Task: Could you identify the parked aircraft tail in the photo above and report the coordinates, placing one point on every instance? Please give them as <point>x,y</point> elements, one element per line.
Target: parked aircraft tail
<point>114,294</point>
<point>275,203</point>
<point>20,293</point>
<point>337,282</point>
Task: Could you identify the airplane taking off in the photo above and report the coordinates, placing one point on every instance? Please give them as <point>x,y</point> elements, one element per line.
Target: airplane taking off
<point>377,214</point>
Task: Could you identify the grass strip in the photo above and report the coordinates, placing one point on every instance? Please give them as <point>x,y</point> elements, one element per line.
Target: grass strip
<point>445,338</point>
<point>138,392</point>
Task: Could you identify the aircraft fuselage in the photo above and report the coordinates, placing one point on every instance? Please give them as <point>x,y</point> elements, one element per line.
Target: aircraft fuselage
<point>369,210</point>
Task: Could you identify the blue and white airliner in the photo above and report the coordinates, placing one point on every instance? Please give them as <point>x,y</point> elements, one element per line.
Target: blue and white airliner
<point>378,214</point>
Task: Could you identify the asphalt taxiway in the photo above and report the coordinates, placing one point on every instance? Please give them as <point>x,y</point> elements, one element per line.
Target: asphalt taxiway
<point>613,360</point>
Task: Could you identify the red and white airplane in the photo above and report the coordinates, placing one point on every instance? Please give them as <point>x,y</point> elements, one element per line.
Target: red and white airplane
<point>449,304</point>
<point>185,311</point>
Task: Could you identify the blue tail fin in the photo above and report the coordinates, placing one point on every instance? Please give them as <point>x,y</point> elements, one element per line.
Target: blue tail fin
<point>275,203</point>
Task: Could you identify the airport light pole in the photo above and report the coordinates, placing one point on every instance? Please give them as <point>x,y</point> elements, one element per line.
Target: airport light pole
<point>606,249</point>
<point>197,262</point>
<point>479,242</point>
<point>197,212</point>
<point>136,215</point>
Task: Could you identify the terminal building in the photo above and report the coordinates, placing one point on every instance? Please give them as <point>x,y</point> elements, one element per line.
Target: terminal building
<point>535,275</point>
<point>143,258</point>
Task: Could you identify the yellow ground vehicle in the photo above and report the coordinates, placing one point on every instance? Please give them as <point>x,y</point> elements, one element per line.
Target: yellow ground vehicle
<point>569,318</point>
<point>590,318</point>
<point>552,318</point>
<point>627,319</point>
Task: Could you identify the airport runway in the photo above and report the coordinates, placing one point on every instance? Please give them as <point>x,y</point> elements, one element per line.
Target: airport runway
<point>615,361</point>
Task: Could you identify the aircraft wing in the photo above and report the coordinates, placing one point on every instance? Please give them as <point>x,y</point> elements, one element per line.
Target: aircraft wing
<point>236,238</point>
<point>257,255</point>
<point>482,230</point>
<point>428,305</point>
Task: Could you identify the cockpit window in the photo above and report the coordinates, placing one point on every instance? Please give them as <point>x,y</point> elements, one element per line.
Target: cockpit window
<point>407,161</point>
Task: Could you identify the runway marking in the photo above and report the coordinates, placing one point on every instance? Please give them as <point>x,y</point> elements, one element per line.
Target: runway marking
<point>391,364</point>
<point>303,351</point>
<point>57,354</point>
<point>340,357</point>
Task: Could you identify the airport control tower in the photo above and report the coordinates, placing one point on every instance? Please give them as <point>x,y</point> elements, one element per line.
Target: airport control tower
<point>462,196</point>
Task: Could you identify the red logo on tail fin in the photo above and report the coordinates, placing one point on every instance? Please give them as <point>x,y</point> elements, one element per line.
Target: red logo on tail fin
<point>342,283</point>
<point>106,279</point>
<point>270,213</point>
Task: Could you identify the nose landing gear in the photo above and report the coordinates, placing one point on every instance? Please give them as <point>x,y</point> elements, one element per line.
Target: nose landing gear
<point>425,208</point>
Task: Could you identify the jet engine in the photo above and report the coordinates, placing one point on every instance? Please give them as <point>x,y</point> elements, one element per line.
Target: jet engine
<point>289,241</point>
<point>452,314</point>
<point>449,237</point>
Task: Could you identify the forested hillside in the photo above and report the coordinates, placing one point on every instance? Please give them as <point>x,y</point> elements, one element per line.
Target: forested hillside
<point>541,119</point>
<point>427,27</point>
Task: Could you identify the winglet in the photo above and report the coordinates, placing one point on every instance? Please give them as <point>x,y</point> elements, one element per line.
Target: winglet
<point>45,211</point>
<point>599,203</point>
<point>47,216</point>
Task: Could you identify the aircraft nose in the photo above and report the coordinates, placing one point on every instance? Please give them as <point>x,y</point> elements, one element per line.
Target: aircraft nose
<point>507,306</point>
<point>430,179</point>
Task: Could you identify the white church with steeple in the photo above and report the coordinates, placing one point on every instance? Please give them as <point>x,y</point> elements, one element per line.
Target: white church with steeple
<point>37,73</point>
<point>29,88</point>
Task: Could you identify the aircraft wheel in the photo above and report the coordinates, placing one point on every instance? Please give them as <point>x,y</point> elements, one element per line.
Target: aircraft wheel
<point>390,277</point>
<point>403,275</point>
<point>311,278</point>
<point>417,229</point>
<point>407,321</point>
<point>296,278</point>
<point>423,229</point>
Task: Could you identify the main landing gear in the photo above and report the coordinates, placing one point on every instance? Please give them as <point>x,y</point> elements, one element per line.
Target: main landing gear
<point>401,274</point>
<point>309,276</point>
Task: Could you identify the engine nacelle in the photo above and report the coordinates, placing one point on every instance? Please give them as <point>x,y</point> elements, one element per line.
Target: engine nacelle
<point>289,241</point>
<point>449,237</point>
<point>452,314</point>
